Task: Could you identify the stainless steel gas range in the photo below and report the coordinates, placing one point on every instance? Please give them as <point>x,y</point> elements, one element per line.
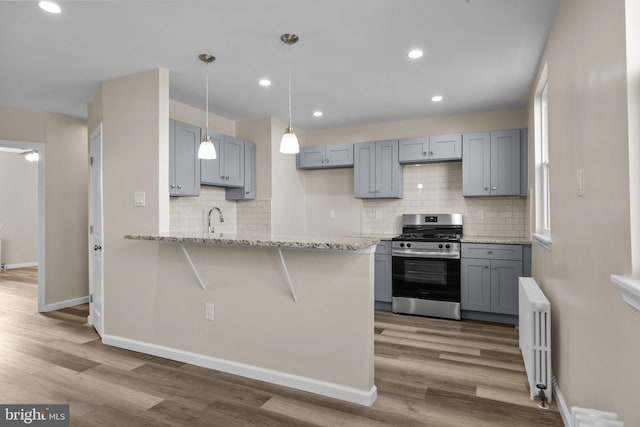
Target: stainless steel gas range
<point>426,265</point>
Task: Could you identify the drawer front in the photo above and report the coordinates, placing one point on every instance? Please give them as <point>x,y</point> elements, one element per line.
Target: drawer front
<point>384,247</point>
<point>492,251</point>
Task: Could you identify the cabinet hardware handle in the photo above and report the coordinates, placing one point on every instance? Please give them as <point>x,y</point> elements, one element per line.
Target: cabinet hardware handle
<point>246,192</point>
<point>222,177</point>
<point>424,153</point>
<point>327,160</point>
<point>486,267</point>
<point>486,188</point>
<point>173,186</point>
<point>489,252</point>
<point>322,161</point>
<point>431,153</point>
<point>179,187</point>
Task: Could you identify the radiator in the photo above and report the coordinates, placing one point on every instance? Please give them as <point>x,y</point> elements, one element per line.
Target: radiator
<point>581,417</point>
<point>535,335</point>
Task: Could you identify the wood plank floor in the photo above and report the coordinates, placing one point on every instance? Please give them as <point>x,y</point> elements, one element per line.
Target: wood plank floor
<point>429,372</point>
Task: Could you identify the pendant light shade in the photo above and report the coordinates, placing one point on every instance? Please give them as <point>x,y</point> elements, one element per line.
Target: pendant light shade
<point>289,141</point>
<point>207,150</point>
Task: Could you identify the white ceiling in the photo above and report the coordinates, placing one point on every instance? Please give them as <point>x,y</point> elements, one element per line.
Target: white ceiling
<point>351,61</point>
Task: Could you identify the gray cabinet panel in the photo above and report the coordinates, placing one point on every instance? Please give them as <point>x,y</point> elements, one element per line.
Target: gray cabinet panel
<point>413,150</point>
<point>339,155</point>
<point>388,173</point>
<point>325,157</point>
<point>491,251</point>
<point>364,176</point>
<point>524,162</point>
<point>505,163</point>
<point>475,284</point>
<point>212,171</point>
<point>445,147</point>
<point>248,192</point>
<point>504,286</point>
<point>233,155</point>
<point>311,157</point>
<point>184,166</point>
<point>476,164</point>
<point>382,272</point>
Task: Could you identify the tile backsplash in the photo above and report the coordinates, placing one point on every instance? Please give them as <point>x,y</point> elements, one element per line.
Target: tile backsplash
<point>437,188</point>
<point>189,214</point>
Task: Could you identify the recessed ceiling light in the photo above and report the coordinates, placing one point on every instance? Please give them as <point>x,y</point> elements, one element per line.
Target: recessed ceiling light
<point>50,6</point>
<point>436,98</point>
<point>264,82</point>
<point>415,54</point>
<point>317,114</point>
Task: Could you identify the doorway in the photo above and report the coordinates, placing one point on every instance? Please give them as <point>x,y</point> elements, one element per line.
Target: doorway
<point>40,148</point>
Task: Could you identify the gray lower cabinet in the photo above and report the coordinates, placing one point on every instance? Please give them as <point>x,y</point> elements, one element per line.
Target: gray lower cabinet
<point>491,163</point>
<point>382,272</point>
<point>227,169</point>
<point>377,171</point>
<point>430,148</point>
<point>184,166</point>
<point>248,192</point>
<point>325,157</point>
<point>489,277</point>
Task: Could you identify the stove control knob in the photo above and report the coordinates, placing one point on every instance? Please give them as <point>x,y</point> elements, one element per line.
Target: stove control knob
<point>402,245</point>
<point>440,246</point>
<point>408,245</point>
<point>448,246</point>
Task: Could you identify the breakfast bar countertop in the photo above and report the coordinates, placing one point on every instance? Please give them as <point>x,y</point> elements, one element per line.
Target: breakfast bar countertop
<point>337,243</point>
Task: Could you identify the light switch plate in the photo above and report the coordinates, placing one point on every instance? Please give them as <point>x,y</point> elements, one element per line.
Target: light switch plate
<point>332,214</point>
<point>208,311</point>
<point>139,199</point>
<point>378,214</point>
<point>580,183</point>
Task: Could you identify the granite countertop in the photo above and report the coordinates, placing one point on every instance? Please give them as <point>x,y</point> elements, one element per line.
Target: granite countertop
<point>498,240</point>
<point>349,243</point>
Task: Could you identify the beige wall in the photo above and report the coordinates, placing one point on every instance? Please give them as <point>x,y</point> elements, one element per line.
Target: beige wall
<point>66,196</point>
<point>595,334</point>
<point>18,209</point>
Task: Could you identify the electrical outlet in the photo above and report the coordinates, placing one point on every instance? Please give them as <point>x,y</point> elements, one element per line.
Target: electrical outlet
<point>332,214</point>
<point>139,199</point>
<point>208,311</point>
<point>378,214</point>
<point>480,214</point>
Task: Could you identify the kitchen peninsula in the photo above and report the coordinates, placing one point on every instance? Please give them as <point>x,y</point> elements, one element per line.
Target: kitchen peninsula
<point>295,311</point>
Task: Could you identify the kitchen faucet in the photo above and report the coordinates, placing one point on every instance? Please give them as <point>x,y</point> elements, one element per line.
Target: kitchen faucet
<point>209,217</point>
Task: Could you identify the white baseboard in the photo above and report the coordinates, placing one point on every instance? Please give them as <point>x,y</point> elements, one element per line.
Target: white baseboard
<point>565,412</point>
<point>64,304</point>
<point>20,265</point>
<point>324,388</point>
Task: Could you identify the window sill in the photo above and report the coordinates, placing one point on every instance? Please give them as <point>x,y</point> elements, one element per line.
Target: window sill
<point>629,289</point>
<point>541,240</point>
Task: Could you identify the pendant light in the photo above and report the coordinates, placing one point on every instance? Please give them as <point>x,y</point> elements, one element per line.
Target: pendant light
<point>207,150</point>
<point>289,141</point>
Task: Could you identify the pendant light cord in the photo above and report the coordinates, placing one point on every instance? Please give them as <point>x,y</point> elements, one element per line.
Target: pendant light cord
<point>290,86</point>
<point>206,118</point>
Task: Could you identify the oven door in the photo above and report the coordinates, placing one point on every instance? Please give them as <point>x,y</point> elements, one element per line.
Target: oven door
<point>435,279</point>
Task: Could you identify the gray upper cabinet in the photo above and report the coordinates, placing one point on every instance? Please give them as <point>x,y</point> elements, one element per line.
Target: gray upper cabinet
<point>429,149</point>
<point>491,163</point>
<point>227,169</point>
<point>324,157</point>
<point>377,171</point>
<point>184,166</point>
<point>248,192</point>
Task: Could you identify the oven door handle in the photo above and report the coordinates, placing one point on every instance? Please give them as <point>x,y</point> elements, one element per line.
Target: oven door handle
<point>426,254</point>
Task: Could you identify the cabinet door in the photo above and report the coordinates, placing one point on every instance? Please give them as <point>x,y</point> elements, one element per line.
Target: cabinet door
<point>476,164</point>
<point>504,286</point>
<point>311,157</point>
<point>339,155</point>
<point>445,147</point>
<point>382,279</point>
<point>388,170</point>
<point>185,179</point>
<point>248,192</point>
<point>233,161</point>
<point>412,150</point>
<point>211,171</point>
<point>505,163</point>
<point>364,170</point>
<point>475,284</point>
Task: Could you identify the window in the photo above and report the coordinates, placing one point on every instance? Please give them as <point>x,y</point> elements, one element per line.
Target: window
<point>542,233</point>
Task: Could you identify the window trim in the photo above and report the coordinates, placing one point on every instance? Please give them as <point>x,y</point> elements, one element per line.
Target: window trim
<point>542,233</point>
